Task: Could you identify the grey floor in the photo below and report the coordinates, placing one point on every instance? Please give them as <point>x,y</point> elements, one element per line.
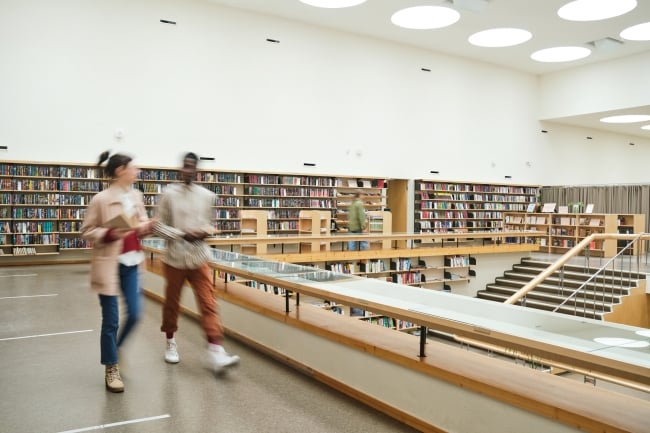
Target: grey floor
<point>51,379</point>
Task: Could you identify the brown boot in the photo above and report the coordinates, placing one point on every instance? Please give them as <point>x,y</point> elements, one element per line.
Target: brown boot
<point>113,380</point>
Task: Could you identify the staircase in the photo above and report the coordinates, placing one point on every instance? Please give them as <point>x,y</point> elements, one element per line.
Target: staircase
<point>594,300</point>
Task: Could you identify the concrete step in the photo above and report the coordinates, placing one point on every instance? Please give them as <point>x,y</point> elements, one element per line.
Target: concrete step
<point>537,264</point>
<point>618,287</point>
<point>557,299</point>
<point>589,291</point>
<point>625,280</point>
<point>542,305</point>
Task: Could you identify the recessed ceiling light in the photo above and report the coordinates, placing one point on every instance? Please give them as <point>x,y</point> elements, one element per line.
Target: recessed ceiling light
<point>594,10</point>
<point>333,4</point>
<point>644,332</point>
<point>639,32</point>
<point>626,118</point>
<point>560,54</point>
<point>425,17</point>
<point>646,127</point>
<point>504,37</point>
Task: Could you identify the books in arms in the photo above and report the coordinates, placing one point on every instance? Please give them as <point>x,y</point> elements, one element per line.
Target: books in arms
<point>121,221</point>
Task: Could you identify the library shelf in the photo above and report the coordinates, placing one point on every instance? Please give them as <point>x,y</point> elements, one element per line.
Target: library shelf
<point>445,206</point>
<point>66,188</point>
<point>372,191</point>
<point>565,230</point>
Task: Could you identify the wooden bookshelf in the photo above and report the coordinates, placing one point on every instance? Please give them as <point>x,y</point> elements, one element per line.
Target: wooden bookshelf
<point>314,223</point>
<point>285,195</point>
<point>372,192</point>
<point>253,223</point>
<point>629,224</point>
<point>31,202</point>
<point>77,185</point>
<point>152,183</point>
<point>565,230</point>
<point>29,189</point>
<point>442,206</point>
<point>379,222</point>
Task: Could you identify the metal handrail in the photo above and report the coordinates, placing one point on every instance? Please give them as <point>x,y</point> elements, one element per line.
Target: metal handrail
<point>596,274</point>
<point>573,252</point>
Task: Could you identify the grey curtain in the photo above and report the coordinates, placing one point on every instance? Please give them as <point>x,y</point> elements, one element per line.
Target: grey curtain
<point>616,199</point>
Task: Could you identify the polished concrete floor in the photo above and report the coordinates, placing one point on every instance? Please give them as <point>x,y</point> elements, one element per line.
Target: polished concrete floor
<point>51,379</point>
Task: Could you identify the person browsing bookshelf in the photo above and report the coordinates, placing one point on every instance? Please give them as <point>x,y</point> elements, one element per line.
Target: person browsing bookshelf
<point>357,222</point>
<point>114,223</point>
<point>185,216</point>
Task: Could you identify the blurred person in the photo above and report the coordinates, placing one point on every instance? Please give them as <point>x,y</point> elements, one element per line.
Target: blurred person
<point>116,256</point>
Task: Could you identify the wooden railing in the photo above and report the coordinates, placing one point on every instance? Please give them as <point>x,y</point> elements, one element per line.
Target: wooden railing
<point>449,239</point>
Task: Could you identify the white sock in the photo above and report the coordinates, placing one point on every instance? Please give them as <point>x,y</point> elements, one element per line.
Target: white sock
<point>214,347</point>
<point>171,340</point>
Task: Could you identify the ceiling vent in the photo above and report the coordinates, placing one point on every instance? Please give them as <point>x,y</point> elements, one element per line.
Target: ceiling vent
<point>606,44</point>
<point>470,5</point>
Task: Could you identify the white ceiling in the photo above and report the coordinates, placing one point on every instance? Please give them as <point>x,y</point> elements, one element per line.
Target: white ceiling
<point>372,18</point>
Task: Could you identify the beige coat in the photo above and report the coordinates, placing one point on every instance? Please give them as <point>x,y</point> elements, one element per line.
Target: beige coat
<point>104,270</point>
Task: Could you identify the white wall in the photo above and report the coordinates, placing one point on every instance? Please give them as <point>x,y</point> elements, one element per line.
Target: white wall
<point>596,88</point>
<point>74,71</point>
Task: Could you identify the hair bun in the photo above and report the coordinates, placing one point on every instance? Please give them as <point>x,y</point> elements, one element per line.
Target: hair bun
<point>103,157</point>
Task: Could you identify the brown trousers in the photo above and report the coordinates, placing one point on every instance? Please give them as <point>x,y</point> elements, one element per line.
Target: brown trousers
<point>201,282</point>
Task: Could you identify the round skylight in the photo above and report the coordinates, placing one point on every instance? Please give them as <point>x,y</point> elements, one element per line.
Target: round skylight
<point>626,118</point>
<point>594,10</point>
<point>504,37</point>
<point>640,32</point>
<point>560,54</point>
<point>425,17</point>
<point>333,4</point>
<point>621,342</point>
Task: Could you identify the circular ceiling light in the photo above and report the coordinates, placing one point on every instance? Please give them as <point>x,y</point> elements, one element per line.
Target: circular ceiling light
<point>333,4</point>
<point>560,54</point>
<point>639,32</point>
<point>621,342</point>
<point>647,128</point>
<point>626,118</point>
<point>504,37</point>
<point>595,10</point>
<point>644,332</point>
<point>425,17</point>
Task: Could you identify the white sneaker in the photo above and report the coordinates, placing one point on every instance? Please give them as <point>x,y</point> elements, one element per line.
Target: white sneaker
<point>171,353</point>
<point>218,358</point>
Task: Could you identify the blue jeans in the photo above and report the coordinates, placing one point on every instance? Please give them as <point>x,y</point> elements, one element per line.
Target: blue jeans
<point>352,245</point>
<point>109,341</point>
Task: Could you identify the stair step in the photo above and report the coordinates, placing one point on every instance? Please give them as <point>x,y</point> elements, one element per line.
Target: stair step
<point>541,265</point>
<point>608,286</point>
<point>596,298</point>
<point>556,299</point>
<point>589,291</point>
<point>579,275</point>
<point>546,306</point>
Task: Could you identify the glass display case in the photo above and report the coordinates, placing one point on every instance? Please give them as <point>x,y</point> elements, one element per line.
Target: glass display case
<point>619,350</point>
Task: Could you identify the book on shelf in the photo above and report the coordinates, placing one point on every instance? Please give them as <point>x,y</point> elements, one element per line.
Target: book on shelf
<point>563,209</point>
<point>589,208</point>
<point>531,207</point>
<point>548,207</point>
<point>594,222</point>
